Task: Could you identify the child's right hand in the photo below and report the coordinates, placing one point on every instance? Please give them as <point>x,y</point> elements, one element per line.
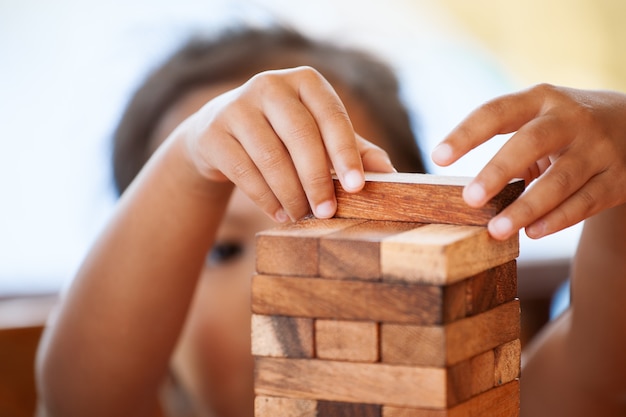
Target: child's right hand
<point>277,137</point>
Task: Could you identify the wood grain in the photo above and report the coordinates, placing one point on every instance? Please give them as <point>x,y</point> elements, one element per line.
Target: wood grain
<point>375,383</point>
<point>395,302</point>
<point>284,407</point>
<point>490,288</point>
<point>441,254</point>
<point>343,409</point>
<point>482,332</point>
<point>413,345</point>
<point>347,300</point>
<point>420,198</point>
<point>370,383</point>
<point>455,300</point>
<point>459,382</point>
<point>450,343</point>
<point>483,370</point>
<point>354,252</point>
<point>293,249</point>
<point>503,401</point>
<point>480,292</point>
<point>353,341</point>
<point>507,359</point>
<point>280,336</point>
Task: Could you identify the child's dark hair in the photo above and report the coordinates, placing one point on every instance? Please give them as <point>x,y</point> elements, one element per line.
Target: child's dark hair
<point>239,54</point>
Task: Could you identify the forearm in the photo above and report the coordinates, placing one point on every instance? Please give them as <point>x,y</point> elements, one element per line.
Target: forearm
<point>598,331</point>
<point>110,344</point>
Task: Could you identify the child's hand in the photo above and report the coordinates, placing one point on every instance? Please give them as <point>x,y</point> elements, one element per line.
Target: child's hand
<point>574,141</point>
<point>277,137</point>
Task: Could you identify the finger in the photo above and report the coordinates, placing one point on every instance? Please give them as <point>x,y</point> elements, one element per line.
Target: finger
<point>532,143</point>
<point>335,128</point>
<point>263,143</point>
<point>502,115</point>
<point>302,143</point>
<point>375,159</point>
<point>565,178</point>
<point>534,170</point>
<point>235,163</point>
<point>584,203</point>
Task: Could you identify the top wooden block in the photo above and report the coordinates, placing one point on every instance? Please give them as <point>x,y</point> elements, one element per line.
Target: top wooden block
<point>420,198</point>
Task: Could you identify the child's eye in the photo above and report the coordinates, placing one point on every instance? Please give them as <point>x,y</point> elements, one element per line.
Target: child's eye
<point>223,252</point>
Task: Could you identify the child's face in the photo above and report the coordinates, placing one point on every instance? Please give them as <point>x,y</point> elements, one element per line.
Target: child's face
<point>213,360</point>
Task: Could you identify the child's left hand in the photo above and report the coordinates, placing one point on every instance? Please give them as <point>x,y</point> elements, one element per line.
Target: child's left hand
<point>572,142</point>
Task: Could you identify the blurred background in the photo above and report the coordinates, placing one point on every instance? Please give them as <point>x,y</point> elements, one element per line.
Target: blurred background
<point>67,68</point>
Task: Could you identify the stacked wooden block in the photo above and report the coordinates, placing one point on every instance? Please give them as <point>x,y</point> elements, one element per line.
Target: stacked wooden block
<point>401,306</point>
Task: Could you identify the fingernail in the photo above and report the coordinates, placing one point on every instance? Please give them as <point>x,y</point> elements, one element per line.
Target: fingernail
<point>353,180</point>
<point>474,194</point>
<point>442,154</point>
<point>537,229</point>
<point>325,210</point>
<point>281,216</point>
<point>500,226</point>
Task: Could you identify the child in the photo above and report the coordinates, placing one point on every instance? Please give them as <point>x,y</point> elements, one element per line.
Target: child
<point>574,143</point>
<point>276,137</point>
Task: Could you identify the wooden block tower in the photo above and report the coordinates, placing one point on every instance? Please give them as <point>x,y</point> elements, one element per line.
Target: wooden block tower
<point>401,306</point>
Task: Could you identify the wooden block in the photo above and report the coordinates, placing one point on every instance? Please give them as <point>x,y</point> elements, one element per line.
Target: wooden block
<point>450,343</point>
<point>483,370</point>
<point>420,198</point>
<point>293,249</point>
<point>503,401</point>
<point>371,383</point>
<point>299,407</point>
<point>483,331</point>
<point>441,254</point>
<point>491,288</point>
<point>471,377</point>
<point>375,383</point>
<point>354,341</point>
<point>354,252</point>
<point>455,300</point>
<point>394,302</point>
<point>347,300</point>
<point>342,409</point>
<point>284,407</point>
<point>459,382</point>
<point>481,292</point>
<point>280,336</point>
<point>413,345</point>
<point>507,359</point>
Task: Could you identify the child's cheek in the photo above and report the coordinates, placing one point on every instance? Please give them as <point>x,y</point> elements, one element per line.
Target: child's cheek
<point>221,338</point>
